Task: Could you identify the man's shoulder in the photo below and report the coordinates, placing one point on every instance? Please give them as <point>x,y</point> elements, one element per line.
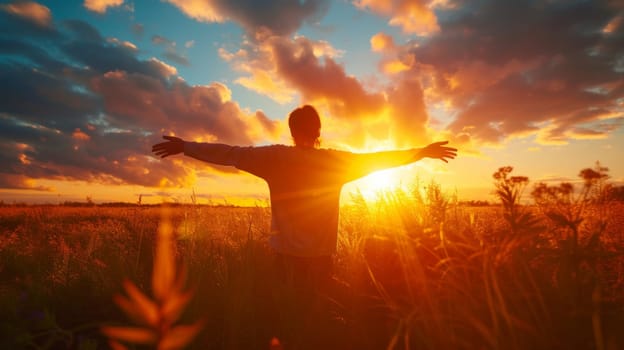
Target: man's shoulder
<point>276,146</point>
<point>336,153</point>
<point>294,151</point>
<point>271,148</point>
<point>334,150</point>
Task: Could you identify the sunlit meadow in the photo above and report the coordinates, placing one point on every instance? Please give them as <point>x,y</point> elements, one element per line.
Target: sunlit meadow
<point>415,269</point>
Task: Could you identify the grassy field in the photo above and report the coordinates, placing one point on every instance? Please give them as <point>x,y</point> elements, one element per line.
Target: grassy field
<point>413,271</point>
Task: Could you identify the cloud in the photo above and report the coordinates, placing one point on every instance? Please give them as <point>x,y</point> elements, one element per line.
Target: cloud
<point>31,11</point>
<point>20,182</point>
<point>126,44</point>
<point>321,78</point>
<point>79,135</point>
<point>267,125</point>
<point>201,10</point>
<point>308,69</point>
<point>408,112</point>
<point>171,52</point>
<point>177,57</point>
<point>391,62</point>
<point>277,16</point>
<point>140,102</point>
<point>532,78</point>
<point>100,6</point>
<point>381,42</point>
<point>84,107</point>
<point>260,72</point>
<point>276,64</point>
<point>48,100</point>
<point>515,69</point>
<point>138,29</point>
<point>413,16</point>
<point>160,40</point>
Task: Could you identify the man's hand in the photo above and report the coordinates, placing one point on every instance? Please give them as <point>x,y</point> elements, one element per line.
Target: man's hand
<point>174,145</point>
<point>439,151</point>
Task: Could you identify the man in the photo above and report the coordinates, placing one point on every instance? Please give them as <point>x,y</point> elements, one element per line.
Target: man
<point>304,184</point>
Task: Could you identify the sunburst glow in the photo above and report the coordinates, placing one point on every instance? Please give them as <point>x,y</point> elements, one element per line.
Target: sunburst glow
<point>378,183</point>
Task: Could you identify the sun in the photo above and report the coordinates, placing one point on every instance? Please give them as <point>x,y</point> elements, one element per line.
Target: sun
<point>377,184</point>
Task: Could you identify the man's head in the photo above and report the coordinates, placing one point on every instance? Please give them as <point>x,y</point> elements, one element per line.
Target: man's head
<point>305,126</point>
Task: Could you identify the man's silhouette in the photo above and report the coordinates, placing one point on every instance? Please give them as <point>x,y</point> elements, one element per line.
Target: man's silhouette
<point>304,184</point>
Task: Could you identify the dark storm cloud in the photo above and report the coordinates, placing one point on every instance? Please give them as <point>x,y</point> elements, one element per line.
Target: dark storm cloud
<point>75,105</point>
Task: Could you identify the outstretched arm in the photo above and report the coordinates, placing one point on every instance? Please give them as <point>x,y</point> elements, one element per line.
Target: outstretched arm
<point>367,163</point>
<point>215,153</point>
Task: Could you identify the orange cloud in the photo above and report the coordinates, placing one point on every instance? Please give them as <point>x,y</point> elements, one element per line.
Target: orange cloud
<point>381,42</point>
<point>351,112</point>
<point>393,59</point>
<point>126,44</point>
<point>80,135</point>
<point>514,83</point>
<point>264,82</point>
<point>23,159</point>
<point>261,126</point>
<point>163,68</point>
<point>257,60</point>
<point>281,68</point>
<point>201,10</point>
<point>261,76</point>
<point>413,16</point>
<point>614,24</point>
<point>394,67</point>
<point>16,181</point>
<point>100,6</point>
<point>31,11</point>
<point>321,78</point>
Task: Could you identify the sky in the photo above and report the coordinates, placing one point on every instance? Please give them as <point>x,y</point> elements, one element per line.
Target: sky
<point>89,86</point>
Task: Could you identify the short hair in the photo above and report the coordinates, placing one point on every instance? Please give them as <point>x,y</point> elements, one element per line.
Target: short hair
<point>305,126</point>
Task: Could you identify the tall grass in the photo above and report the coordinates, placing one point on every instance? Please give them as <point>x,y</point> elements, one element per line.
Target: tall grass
<point>414,270</point>
<point>156,318</point>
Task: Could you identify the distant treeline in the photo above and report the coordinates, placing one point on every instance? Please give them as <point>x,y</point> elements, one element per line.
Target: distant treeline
<point>615,194</point>
<point>75,204</point>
